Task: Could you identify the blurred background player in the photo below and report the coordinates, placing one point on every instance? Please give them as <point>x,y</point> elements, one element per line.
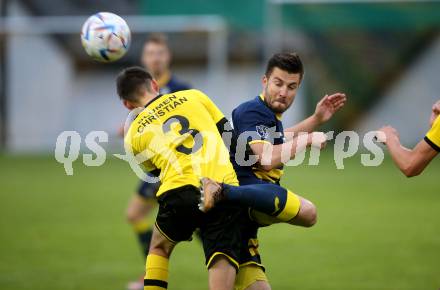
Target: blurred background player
<point>412,162</point>
<point>156,58</point>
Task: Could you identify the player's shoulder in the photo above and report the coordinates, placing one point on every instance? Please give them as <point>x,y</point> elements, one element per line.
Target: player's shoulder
<point>130,134</point>
<point>192,93</point>
<point>253,108</point>
<point>188,91</point>
<point>433,135</point>
<point>178,85</point>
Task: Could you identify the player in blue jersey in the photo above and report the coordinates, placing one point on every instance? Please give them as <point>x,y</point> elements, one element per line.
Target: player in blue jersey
<point>259,132</point>
<point>156,58</point>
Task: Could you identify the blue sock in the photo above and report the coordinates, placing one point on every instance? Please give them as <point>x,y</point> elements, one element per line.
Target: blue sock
<point>267,198</point>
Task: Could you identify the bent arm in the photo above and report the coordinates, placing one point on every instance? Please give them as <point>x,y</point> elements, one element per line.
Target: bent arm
<point>273,156</point>
<point>411,162</point>
<point>325,109</point>
<point>308,125</point>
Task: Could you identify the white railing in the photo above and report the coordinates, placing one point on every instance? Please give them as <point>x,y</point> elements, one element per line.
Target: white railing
<point>215,26</point>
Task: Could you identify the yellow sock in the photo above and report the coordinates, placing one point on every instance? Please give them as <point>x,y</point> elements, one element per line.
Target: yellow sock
<point>156,275</point>
<point>141,226</point>
<point>288,212</point>
<point>291,208</point>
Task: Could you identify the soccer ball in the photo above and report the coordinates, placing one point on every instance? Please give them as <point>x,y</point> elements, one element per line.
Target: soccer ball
<point>105,37</point>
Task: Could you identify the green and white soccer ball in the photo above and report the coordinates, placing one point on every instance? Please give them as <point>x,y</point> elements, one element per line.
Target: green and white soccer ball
<point>105,36</point>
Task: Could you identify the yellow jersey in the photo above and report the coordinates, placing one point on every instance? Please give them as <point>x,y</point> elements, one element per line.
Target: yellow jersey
<point>433,135</point>
<point>177,134</point>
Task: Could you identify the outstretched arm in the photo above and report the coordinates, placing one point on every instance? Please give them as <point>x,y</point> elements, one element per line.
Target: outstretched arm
<point>410,161</point>
<point>325,109</point>
<point>272,156</point>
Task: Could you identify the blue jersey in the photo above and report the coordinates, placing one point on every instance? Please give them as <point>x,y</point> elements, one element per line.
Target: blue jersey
<point>174,85</point>
<point>254,122</point>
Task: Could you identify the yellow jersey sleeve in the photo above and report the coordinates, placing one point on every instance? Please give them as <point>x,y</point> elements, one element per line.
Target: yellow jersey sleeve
<point>131,141</point>
<point>212,109</point>
<point>433,135</point>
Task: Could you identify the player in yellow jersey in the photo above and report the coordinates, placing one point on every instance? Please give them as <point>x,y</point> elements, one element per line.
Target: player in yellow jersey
<point>178,137</point>
<point>412,162</point>
<point>156,58</point>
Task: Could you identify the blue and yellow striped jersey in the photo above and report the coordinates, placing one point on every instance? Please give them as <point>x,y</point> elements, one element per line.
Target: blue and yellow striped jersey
<point>254,122</point>
<point>177,134</point>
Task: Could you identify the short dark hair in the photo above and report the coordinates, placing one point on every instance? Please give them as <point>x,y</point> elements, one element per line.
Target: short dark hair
<point>131,81</point>
<point>158,38</point>
<point>287,61</point>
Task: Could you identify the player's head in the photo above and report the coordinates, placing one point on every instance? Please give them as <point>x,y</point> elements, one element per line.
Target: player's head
<point>136,87</point>
<point>283,75</point>
<point>156,55</point>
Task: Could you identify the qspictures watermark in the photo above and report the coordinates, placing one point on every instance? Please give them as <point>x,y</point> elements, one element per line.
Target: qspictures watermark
<point>170,143</point>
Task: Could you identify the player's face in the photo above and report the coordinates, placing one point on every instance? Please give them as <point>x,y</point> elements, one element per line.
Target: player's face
<point>156,58</point>
<point>280,89</point>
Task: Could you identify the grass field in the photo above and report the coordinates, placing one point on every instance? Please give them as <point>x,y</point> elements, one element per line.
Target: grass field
<point>376,230</point>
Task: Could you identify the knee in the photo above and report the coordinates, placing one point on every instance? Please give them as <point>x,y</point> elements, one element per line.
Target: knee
<point>137,209</point>
<point>311,215</point>
<point>132,216</point>
<point>161,247</point>
<point>160,251</point>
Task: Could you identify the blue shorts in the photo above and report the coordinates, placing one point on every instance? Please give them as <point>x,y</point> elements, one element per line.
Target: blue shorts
<point>148,190</point>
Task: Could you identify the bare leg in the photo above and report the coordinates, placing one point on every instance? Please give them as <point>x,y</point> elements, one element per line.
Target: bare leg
<point>138,208</point>
<point>221,274</point>
<point>307,215</point>
<point>160,245</point>
<point>156,277</point>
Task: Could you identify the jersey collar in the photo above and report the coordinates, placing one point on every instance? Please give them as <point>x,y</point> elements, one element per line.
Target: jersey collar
<point>153,99</point>
<point>278,115</point>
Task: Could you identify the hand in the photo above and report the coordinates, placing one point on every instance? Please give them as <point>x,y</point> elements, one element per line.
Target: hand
<point>388,133</point>
<point>328,106</point>
<point>435,113</point>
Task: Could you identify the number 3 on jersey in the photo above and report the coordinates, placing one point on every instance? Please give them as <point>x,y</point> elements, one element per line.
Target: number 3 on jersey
<point>184,123</point>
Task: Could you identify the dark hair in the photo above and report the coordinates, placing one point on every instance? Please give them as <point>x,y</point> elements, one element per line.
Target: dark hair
<point>132,81</point>
<point>286,61</point>
<point>158,38</point>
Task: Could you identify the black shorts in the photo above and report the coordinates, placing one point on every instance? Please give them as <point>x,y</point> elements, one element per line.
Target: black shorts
<point>147,190</point>
<point>249,253</point>
<point>249,244</point>
<point>179,216</point>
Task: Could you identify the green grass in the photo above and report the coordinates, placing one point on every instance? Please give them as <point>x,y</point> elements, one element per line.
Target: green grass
<point>376,229</point>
